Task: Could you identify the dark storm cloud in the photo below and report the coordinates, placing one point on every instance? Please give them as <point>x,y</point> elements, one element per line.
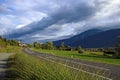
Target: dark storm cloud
<point>65,14</point>
<point>73,13</point>
<point>50,20</point>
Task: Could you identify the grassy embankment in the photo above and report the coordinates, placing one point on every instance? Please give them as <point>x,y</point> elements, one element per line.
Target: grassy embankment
<point>89,56</point>
<point>10,49</point>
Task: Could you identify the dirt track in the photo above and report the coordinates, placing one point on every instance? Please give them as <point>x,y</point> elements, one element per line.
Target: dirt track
<point>87,66</point>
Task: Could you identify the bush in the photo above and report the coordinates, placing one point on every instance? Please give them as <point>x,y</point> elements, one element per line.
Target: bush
<point>117,50</point>
<point>80,51</point>
<point>117,53</point>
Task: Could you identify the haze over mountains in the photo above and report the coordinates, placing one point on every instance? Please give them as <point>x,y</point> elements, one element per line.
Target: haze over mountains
<point>93,38</point>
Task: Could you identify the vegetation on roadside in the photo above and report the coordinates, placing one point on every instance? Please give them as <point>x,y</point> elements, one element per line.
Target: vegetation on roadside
<point>26,67</point>
<point>9,46</point>
<point>10,49</point>
<point>7,42</point>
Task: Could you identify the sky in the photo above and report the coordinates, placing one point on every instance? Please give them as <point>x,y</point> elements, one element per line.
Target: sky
<point>49,20</point>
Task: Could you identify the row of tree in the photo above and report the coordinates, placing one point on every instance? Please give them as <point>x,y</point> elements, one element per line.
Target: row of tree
<point>5,42</point>
<point>50,46</point>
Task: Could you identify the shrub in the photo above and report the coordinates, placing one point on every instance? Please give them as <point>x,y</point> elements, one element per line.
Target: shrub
<point>117,50</point>
<point>80,51</point>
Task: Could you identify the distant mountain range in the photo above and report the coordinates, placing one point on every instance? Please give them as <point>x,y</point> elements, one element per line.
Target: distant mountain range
<point>94,38</point>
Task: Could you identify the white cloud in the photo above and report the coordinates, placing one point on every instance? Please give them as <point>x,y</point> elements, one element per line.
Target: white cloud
<point>109,9</point>
<point>35,15</point>
<point>19,13</point>
<point>5,21</point>
<point>20,26</point>
<point>4,9</point>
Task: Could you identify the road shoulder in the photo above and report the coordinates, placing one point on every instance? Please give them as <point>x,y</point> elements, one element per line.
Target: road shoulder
<point>3,64</point>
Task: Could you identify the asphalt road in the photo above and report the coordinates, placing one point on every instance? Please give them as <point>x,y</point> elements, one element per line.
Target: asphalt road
<point>3,64</point>
<point>105,71</point>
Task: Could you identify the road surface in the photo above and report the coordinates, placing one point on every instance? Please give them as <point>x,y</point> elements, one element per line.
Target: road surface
<point>105,71</point>
<point>3,64</point>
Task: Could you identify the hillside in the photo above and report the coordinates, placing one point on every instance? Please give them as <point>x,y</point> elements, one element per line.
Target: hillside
<point>93,39</point>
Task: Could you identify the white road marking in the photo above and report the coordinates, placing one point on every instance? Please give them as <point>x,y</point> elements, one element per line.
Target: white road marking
<point>79,69</point>
<point>81,64</point>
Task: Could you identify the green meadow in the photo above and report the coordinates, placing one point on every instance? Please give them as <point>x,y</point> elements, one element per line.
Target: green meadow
<point>89,56</point>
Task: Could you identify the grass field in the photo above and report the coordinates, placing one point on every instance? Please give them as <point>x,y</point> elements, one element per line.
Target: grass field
<point>90,56</point>
<point>26,67</point>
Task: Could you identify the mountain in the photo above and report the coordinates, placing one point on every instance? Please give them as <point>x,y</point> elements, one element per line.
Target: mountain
<point>78,37</point>
<point>94,38</point>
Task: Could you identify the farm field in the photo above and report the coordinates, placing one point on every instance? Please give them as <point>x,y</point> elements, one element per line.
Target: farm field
<point>89,56</point>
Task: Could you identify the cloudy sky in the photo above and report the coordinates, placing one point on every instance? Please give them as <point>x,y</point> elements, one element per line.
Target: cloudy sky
<point>44,20</point>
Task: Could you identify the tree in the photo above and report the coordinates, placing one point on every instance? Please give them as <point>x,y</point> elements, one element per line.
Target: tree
<point>79,49</point>
<point>50,45</point>
<point>28,45</point>
<point>2,42</point>
<point>117,52</point>
<point>68,48</point>
<point>36,45</point>
<point>14,43</point>
<point>44,46</point>
<point>1,37</point>
<point>62,46</point>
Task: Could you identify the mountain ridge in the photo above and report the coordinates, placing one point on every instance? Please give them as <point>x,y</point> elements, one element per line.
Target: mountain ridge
<point>98,38</point>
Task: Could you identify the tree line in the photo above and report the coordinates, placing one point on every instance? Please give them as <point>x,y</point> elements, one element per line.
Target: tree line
<point>51,46</point>
<point>6,42</point>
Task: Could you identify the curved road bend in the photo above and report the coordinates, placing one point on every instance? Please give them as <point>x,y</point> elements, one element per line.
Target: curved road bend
<point>105,70</point>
